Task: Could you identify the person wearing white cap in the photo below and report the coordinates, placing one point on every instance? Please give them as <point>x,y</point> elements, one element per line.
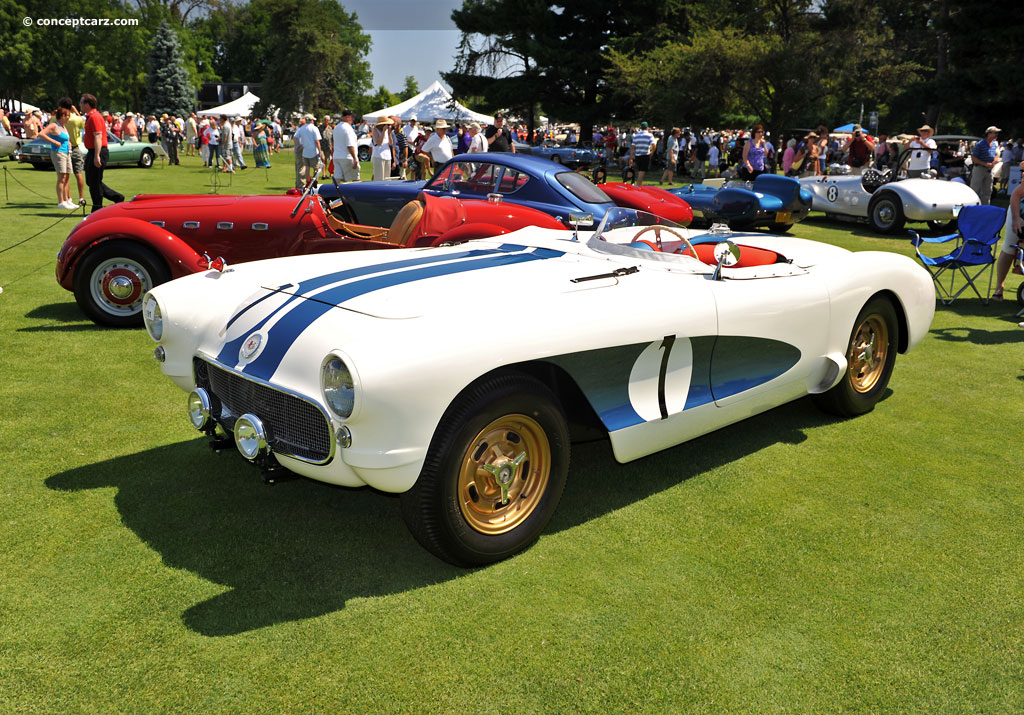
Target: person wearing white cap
<point>477,143</point>
<point>983,158</point>
<point>312,153</point>
<point>922,146</point>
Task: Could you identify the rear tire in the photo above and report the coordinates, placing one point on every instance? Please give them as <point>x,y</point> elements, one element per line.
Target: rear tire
<point>504,429</point>
<point>870,354</point>
<point>780,227</point>
<point>364,153</point>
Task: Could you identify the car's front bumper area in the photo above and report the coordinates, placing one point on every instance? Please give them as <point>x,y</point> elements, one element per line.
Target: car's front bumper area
<point>298,432</point>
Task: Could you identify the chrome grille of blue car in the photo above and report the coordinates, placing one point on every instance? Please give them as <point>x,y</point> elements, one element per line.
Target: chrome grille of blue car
<point>297,427</point>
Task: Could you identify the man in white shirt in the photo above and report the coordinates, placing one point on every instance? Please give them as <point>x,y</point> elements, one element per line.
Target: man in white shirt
<point>437,148</point>
<point>346,161</point>
<point>412,131</point>
<point>920,158</point>
<point>477,143</point>
<point>238,134</point>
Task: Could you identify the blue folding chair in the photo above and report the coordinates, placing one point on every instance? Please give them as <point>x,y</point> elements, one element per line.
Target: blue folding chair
<point>975,251</point>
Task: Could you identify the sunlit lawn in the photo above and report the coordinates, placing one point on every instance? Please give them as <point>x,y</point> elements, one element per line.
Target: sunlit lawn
<point>791,562</point>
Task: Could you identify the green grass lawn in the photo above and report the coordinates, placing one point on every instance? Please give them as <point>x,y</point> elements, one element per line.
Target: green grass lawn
<point>790,562</point>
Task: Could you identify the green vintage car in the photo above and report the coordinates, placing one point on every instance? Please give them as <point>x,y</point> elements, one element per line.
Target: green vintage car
<point>122,153</point>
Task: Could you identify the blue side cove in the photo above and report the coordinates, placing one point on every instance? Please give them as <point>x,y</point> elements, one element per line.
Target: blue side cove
<point>741,363</point>
<point>305,312</point>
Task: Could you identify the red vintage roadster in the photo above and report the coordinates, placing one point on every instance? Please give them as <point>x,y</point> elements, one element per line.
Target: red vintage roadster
<point>115,255</point>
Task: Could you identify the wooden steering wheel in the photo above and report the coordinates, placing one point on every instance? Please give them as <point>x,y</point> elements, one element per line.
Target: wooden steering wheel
<point>657,237</point>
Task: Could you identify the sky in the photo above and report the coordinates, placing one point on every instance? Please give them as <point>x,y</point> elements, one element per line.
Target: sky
<point>409,38</point>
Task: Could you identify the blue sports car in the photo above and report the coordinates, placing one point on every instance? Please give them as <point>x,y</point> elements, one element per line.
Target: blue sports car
<point>771,200</point>
<point>569,155</point>
<point>528,180</point>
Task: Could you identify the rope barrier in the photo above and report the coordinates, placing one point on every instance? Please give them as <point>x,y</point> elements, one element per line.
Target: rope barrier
<point>26,240</point>
<point>18,182</point>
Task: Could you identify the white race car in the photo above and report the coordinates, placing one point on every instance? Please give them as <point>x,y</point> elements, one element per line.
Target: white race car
<point>886,201</point>
<point>450,374</point>
<point>9,145</point>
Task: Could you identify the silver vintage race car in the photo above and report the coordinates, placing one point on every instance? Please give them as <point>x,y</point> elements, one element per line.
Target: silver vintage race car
<point>888,201</point>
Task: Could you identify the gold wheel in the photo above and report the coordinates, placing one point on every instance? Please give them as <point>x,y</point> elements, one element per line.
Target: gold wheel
<point>869,350</point>
<point>504,474</point>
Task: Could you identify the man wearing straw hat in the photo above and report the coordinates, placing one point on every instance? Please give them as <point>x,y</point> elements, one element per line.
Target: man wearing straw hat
<point>437,149</point>
<point>922,146</point>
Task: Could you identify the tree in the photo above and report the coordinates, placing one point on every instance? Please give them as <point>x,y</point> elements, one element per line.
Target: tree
<point>410,90</point>
<point>168,89</point>
<point>315,52</point>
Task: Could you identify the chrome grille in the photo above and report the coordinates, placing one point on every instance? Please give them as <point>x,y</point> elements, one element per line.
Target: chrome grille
<point>296,427</point>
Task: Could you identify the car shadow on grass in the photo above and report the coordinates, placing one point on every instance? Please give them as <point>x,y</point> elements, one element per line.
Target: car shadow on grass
<point>301,549</point>
<point>65,317</point>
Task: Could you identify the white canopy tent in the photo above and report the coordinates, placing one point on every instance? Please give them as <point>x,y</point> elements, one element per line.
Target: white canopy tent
<point>241,107</point>
<point>435,102</point>
<point>16,105</point>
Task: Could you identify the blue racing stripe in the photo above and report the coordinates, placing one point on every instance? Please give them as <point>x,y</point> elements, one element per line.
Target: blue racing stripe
<point>284,333</point>
<point>311,284</point>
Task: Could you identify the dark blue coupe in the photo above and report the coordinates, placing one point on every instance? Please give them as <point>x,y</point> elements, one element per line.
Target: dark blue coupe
<point>528,180</point>
<point>772,201</point>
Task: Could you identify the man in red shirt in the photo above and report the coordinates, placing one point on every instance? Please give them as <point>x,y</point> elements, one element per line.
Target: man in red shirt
<point>96,155</point>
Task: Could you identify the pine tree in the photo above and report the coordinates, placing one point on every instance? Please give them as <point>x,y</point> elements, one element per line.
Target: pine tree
<point>167,85</point>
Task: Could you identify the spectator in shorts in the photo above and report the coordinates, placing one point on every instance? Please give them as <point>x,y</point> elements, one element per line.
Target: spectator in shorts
<point>75,125</point>
<point>308,153</point>
<point>640,152</point>
<point>56,134</point>
<point>1013,238</point>
<point>346,160</point>
<point>983,158</point>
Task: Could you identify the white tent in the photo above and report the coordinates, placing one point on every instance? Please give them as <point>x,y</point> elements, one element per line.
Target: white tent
<point>435,102</point>
<point>241,107</point>
<point>18,106</point>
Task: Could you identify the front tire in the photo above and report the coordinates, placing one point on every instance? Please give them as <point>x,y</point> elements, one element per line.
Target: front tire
<point>111,280</point>
<point>780,227</point>
<point>146,159</point>
<point>870,354</point>
<point>886,213</point>
<point>494,473</point>
<point>364,153</point>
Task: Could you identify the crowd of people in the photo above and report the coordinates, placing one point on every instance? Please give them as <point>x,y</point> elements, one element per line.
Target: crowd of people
<point>407,148</point>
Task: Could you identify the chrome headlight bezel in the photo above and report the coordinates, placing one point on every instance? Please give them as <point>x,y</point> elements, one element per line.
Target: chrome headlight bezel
<point>153,317</point>
<point>338,386</point>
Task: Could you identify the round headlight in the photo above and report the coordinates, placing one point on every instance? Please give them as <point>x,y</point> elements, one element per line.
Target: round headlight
<point>153,318</point>
<point>199,409</point>
<point>251,437</point>
<point>338,387</point>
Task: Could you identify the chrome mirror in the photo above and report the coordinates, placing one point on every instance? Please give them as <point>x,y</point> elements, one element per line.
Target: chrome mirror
<point>727,253</point>
<point>577,219</point>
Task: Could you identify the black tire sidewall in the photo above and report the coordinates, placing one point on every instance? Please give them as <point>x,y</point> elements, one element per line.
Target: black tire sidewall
<point>843,399</point>
<point>898,218</point>
<point>131,251</point>
<point>436,492</point>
